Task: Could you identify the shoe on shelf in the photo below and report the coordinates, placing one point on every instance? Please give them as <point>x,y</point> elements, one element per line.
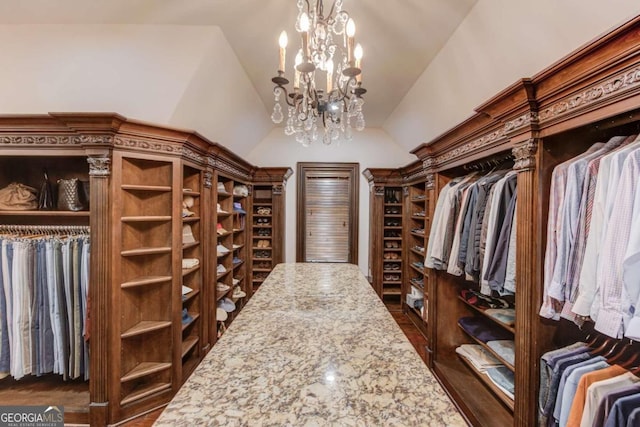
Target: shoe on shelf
<point>221,188</point>
<point>235,281</point>
<point>220,210</point>
<point>238,293</point>
<point>221,315</point>
<point>227,305</point>
<point>221,269</point>
<point>222,287</point>
<point>186,317</point>
<point>236,260</point>
<point>221,250</point>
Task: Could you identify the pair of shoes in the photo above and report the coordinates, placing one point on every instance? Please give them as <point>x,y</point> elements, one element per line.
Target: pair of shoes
<point>221,250</point>
<point>392,195</point>
<point>238,293</point>
<point>420,214</point>
<point>391,266</point>
<point>391,255</point>
<point>391,233</point>
<point>263,244</point>
<point>419,248</point>
<point>227,305</point>
<point>263,221</point>
<point>418,264</point>
<point>263,210</point>
<point>222,287</point>
<point>417,230</point>
<point>260,276</point>
<point>262,254</point>
<point>391,244</point>
<point>391,277</point>
<point>220,269</point>
<point>186,317</point>
<point>392,223</point>
<point>236,261</point>
<point>235,281</point>
<point>262,265</point>
<point>392,211</point>
<point>264,232</point>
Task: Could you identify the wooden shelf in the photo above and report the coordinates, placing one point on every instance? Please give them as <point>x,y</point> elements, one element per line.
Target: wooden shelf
<point>190,219</point>
<point>146,218</point>
<point>144,327</point>
<point>489,349</point>
<point>146,281</point>
<point>46,213</point>
<point>262,270</point>
<point>145,391</point>
<point>194,317</point>
<point>146,251</point>
<point>190,245</point>
<point>189,343</point>
<point>391,291</point>
<point>238,264</point>
<point>422,254</point>
<point>187,271</point>
<point>421,235</point>
<point>493,319</point>
<point>475,400</point>
<point>484,378</point>
<point>143,369</point>
<point>224,195</point>
<point>190,295</point>
<point>190,193</point>
<point>419,270</point>
<point>158,188</point>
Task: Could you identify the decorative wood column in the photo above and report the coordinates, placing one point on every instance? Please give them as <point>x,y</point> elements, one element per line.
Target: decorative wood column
<point>278,215</point>
<point>100,288</point>
<point>528,285</point>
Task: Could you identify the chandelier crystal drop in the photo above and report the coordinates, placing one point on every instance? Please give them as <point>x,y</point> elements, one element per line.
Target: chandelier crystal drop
<point>328,52</point>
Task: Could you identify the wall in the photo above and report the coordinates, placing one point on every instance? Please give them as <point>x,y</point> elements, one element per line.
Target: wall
<point>168,74</point>
<point>370,148</point>
<point>499,42</point>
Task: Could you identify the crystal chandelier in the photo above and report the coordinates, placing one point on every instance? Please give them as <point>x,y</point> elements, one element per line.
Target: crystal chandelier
<point>328,50</point>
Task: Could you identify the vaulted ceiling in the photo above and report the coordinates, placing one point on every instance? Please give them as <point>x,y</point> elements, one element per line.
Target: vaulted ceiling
<point>399,38</point>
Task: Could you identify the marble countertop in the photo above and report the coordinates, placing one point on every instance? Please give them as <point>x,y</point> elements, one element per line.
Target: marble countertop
<point>315,346</point>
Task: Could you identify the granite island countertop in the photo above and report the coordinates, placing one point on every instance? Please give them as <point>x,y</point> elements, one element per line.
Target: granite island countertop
<point>315,346</point>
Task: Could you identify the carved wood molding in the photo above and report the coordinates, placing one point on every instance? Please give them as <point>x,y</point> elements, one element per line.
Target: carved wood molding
<point>278,189</point>
<point>405,191</point>
<point>99,165</point>
<point>378,190</point>
<point>530,117</point>
<point>624,81</point>
<point>470,146</point>
<point>208,179</point>
<point>525,155</point>
<point>93,139</point>
<point>430,181</point>
<point>416,175</point>
<point>38,140</point>
<point>223,166</point>
<point>193,155</point>
<point>147,145</point>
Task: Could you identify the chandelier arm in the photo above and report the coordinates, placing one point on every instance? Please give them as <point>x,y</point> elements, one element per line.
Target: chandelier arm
<point>286,94</point>
<point>345,93</point>
<point>333,7</point>
<point>308,6</point>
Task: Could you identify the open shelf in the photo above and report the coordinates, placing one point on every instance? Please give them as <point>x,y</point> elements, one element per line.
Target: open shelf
<point>146,251</point>
<point>486,347</point>
<point>145,391</point>
<point>484,378</point>
<point>188,344</point>
<point>194,317</point>
<point>493,319</point>
<point>46,213</point>
<point>143,369</point>
<point>158,188</point>
<point>146,281</point>
<point>144,327</point>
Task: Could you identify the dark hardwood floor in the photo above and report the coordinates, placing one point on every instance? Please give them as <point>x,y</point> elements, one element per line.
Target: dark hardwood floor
<point>409,329</point>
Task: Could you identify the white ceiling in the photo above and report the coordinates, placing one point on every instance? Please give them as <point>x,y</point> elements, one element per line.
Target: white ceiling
<point>399,38</point>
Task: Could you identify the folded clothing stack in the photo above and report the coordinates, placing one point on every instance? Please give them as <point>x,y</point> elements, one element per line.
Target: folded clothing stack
<point>478,356</point>
<point>483,329</point>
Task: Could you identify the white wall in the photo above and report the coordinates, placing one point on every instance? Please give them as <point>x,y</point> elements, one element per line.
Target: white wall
<point>499,42</point>
<point>371,148</point>
<point>156,73</point>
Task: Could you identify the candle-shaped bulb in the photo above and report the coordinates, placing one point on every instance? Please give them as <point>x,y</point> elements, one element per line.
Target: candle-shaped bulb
<point>304,22</point>
<point>351,28</point>
<point>304,27</point>
<point>357,53</point>
<point>351,31</point>
<point>282,41</point>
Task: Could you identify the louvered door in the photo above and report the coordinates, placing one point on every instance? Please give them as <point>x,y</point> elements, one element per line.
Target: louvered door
<point>329,214</point>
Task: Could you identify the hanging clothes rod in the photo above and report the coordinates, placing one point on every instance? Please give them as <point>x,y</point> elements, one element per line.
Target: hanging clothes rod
<point>44,229</point>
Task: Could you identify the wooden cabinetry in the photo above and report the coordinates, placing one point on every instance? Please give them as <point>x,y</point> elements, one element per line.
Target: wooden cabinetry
<point>589,96</point>
<point>267,223</point>
<point>153,270</point>
<point>386,202</point>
